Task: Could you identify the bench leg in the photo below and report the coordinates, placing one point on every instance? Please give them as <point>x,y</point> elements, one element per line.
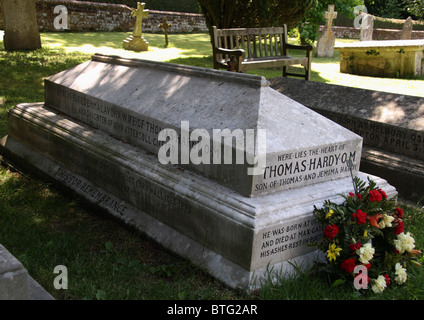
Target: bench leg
<point>284,71</point>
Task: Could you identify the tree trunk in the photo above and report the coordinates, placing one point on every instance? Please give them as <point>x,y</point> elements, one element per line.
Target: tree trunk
<point>21,28</point>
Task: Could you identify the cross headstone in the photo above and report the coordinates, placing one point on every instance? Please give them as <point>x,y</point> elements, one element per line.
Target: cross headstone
<point>367,27</point>
<point>325,46</point>
<point>136,42</point>
<point>139,14</point>
<point>407,29</point>
<point>165,26</point>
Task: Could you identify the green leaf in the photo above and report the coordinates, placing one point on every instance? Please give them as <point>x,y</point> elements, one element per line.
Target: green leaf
<point>338,282</point>
<point>100,295</point>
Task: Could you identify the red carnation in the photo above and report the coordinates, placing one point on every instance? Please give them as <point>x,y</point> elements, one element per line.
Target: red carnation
<point>348,265</point>
<point>368,266</point>
<point>399,227</point>
<point>375,196</point>
<point>383,194</point>
<point>387,279</point>
<point>399,212</point>
<point>360,216</point>
<point>355,246</point>
<point>331,231</point>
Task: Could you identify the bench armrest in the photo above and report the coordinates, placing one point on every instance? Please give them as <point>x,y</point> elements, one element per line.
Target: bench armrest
<point>235,52</point>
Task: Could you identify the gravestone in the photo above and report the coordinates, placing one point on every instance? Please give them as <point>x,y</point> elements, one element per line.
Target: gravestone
<point>136,41</point>
<point>391,125</point>
<point>165,26</point>
<point>325,45</point>
<point>367,28</point>
<point>407,29</point>
<point>15,282</point>
<point>147,142</point>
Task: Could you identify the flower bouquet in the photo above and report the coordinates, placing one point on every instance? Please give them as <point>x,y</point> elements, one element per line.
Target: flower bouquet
<point>365,239</point>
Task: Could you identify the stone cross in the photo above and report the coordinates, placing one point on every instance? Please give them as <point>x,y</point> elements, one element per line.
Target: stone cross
<point>325,45</point>
<point>407,29</point>
<point>329,16</point>
<point>165,26</point>
<point>139,14</point>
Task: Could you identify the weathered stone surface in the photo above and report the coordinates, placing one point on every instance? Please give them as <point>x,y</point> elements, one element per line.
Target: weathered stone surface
<point>389,58</point>
<point>391,125</point>
<point>140,98</point>
<point>13,277</point>
<point>407,29</point>
<point>325,45</point>
<point>367,28</point>
<point>98,134</point>
<point>235,238</point>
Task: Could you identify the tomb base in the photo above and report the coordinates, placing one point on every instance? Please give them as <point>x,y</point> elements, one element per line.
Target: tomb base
<point>135,44</point>
<point>239,240</point>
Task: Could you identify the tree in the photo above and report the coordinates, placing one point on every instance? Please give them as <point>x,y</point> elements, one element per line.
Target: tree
<point>250,14</point>
<point>416,8</point>
<point>21,29</point>
<point>314,17</point>
<point>387,8</point>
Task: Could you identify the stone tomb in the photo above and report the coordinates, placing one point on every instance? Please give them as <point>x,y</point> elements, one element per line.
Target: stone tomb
<point>384,58</point>
<point>391,125</point>
<point>98,134</point>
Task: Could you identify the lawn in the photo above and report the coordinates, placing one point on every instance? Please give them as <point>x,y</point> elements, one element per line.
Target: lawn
<point>44,227</point>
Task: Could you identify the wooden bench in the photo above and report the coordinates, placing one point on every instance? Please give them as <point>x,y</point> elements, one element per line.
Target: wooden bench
<point>241,49</point>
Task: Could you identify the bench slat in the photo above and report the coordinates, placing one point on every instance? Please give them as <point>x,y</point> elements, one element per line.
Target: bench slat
<point>263,48</point>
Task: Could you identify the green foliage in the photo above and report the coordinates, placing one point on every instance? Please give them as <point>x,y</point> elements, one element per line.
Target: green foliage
<point>308,27</point>
<point>416,8</point>
<point>249,14</point>
<point>366,230</point>
<point>387,8</point>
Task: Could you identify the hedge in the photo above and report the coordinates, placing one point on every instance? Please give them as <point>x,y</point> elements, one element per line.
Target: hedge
<point>379,23</point>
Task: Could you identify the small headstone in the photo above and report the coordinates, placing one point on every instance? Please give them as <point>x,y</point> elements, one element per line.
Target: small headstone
<point>367,28</point>
<point>136,42</point>
<point>407,29</point>
<point>325,46</point>
<point>165,26</point>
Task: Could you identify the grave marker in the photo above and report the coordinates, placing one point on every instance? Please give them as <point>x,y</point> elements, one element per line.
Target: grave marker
<point>165,26</point>
<point>407,29</point>
<point>98,133</point>
<point>136,41</point>
<point>367,28</point>
<point>325,45</point>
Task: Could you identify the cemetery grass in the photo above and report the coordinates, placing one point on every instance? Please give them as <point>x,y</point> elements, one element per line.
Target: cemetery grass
<point>44,226</point>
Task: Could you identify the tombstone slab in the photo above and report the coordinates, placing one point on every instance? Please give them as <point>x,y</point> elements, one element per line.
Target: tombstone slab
<point>391,125</point>
<point>98,134</point>
<point>383,58</point>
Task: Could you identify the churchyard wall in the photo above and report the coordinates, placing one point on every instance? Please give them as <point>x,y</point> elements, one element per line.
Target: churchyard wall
<point>89,16</point>
<point>93,16</point>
